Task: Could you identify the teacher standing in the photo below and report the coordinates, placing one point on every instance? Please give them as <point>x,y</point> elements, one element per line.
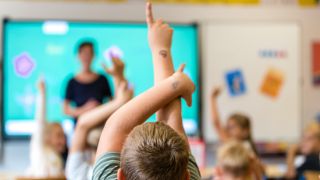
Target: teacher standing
<point>87,89</point>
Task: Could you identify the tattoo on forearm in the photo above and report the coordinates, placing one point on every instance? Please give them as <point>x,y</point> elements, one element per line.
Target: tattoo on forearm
<point>163,53</point>
<point>175,85</point>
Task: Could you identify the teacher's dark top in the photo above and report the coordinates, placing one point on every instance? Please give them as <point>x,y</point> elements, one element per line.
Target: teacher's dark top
<point>80,93</point>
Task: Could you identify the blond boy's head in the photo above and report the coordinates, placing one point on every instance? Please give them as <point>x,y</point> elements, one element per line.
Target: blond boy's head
<point>234,160</point>
<point>311,139</point>
<point>154,151</point>
<point>313,128</point>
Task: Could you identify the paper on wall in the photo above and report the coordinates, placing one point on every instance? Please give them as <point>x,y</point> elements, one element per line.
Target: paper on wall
<point>272,82</point>
<point>235,82</point>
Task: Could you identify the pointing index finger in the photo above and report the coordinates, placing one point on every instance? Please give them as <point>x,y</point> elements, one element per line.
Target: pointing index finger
<point>149,14</point>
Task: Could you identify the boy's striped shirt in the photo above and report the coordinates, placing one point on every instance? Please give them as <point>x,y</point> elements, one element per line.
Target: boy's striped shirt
<point>107,166</point>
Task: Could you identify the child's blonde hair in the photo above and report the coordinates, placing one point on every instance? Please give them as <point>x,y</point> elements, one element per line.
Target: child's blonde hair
<point>94,137</point>
<point>314,128</point>
<point>50,127</point>
<point>154,151</point>
<point>234,159</point>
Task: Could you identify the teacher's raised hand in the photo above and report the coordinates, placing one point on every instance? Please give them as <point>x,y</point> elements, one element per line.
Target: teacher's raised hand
<point>116,70</point>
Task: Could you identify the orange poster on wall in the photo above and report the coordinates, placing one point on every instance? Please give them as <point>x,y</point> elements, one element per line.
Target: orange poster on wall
<point>272,83</point>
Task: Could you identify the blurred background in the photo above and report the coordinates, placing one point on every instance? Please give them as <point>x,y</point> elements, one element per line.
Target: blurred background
<point>271,46</point>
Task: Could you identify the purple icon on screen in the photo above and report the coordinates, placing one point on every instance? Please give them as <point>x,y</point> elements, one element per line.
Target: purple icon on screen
<point>113,51</point>
<point>23,65</point>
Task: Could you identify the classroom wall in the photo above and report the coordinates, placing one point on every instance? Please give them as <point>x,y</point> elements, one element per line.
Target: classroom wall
<point>308,18</point>
<point>234,48</point>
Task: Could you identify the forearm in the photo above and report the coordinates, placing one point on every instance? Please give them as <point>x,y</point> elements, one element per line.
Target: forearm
<point>162,64</point>
<point>135,112</point>
<point>163,68</point>
<point>117,81</point>
<point>173,114</point>
<point>90,120</point>
<point>291,154</point>
<point>41,108</point>
<point>73,111</point>
<point>215,113</point>
<point>215,117</point>
<point>40,122</point>
<point>98,115</point>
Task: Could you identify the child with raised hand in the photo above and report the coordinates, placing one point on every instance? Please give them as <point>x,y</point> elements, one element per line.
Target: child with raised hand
<point>238,126</point>
<point>309,149</point>
<point>90,124</point>
<point>160,40</point>
<point>48,142</point>
<point>152,150</point>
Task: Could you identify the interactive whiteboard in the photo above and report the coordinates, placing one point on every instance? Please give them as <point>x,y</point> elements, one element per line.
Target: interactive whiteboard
<point>49,48</point>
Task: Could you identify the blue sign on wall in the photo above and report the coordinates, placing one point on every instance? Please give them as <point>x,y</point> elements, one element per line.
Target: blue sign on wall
<point>235,82</point>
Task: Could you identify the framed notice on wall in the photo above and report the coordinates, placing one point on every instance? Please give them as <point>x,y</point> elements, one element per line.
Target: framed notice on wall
<point>316,63</point>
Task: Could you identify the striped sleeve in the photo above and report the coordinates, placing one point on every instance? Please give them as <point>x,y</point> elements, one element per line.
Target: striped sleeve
<point>193,168</point>
<point>106,167</point>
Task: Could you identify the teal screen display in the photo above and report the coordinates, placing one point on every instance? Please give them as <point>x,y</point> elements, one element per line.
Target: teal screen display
<point>48,49</point>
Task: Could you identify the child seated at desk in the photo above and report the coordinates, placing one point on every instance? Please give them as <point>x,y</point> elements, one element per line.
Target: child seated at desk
<point>309,148</point>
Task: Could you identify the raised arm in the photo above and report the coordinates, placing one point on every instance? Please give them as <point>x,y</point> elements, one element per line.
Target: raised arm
<point>98,116</point>
<point>116,71</point>
<point>222,134</point>
<point>137,111</point>
<point>37,140</point>
<point>160,40</point>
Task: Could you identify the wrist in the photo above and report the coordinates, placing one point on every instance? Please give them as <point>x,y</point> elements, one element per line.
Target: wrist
<point>42,93</point>
<point>176,83</point>
<point>158,49</point>
<point>75,112</point>
<point>119,77</point>
<point>120,101</point>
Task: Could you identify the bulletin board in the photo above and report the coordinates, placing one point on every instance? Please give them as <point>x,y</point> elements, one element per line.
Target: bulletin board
<point>258,66</point>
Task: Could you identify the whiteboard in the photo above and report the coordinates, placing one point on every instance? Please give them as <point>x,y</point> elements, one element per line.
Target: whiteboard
<point>245,46</point>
